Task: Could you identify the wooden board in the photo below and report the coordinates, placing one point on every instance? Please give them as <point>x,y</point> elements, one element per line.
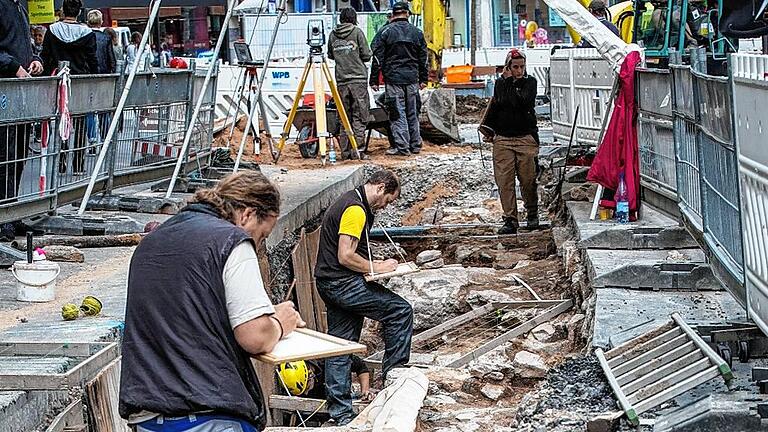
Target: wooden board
<point>321,315</point>
<point>402,269</point>
<point>306,344</point>
<point>304,281</point>
<point>101,397</point>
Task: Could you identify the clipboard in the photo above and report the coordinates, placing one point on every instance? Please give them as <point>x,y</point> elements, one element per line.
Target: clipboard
<point>402,269</point>
<point>306,344</point>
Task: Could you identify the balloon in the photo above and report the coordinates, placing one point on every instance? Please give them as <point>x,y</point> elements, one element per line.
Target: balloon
<point>530,29</point>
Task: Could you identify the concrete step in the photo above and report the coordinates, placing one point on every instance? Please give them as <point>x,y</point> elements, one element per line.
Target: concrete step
<point>622,314</point>
<point>21,411</point>
<point>684,269</point>
<point>654,231</point>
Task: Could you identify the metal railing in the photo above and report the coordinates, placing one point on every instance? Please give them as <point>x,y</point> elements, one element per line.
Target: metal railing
<point>749,90</point>
<point>41,170</point>
<point>655,134</point>
<point>686,146</point>
<point>579,77</point>
<point>718,167</point>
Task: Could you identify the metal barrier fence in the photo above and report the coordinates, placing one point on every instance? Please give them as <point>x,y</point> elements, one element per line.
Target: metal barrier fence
<point>41,170</point>
<point>579,77</point>
<point>749,86</point>
<point>686,146</point>
<point>655,135</point>
<point>718,166</point>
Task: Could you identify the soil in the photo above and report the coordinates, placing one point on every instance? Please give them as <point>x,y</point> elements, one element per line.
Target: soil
<point>470,109</point>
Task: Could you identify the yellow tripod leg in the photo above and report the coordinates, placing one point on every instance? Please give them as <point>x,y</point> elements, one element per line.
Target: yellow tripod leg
<point>340,108</point>
<point>321,125</point>
<point>292,113</point>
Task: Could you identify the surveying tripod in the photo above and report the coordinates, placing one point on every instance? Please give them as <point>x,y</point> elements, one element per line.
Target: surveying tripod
<point>317,64</point>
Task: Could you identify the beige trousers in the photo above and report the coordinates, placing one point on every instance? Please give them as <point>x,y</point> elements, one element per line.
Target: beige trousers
<point>516,158</point>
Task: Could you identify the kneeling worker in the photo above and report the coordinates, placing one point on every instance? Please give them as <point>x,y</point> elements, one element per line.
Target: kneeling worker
<point>342,261</point>
<point>307,378</point>
<point>511,116</point>
<point>197,311</point>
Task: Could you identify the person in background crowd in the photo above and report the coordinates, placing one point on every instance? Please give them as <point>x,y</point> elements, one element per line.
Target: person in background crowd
<point>511,118</point>
<point>105,55</point>
<point>165,55</point>
<point>16,61</point>
<point>400,53</point>
<point>72,41</point>
<point>117,49</point>
<point>132,52</point>
<point>38,34</point>
<point>349,48</point>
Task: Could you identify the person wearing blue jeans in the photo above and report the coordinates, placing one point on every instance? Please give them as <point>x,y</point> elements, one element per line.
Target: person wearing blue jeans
<point>400,55</point>
<point>342,261</point>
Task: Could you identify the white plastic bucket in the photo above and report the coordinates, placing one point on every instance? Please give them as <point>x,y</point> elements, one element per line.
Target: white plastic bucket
<point>36,280</point>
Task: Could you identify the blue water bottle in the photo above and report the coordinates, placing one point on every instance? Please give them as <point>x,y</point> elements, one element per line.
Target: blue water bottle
<point>622,201</point>
<point>331,152</point>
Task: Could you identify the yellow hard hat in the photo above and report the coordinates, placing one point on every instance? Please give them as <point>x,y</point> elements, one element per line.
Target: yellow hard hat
<point>295,375</point>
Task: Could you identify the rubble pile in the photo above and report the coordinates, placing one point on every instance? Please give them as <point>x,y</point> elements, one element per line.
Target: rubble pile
<point>571,394</point>
<point>464,174</point>
<point>470,108</point>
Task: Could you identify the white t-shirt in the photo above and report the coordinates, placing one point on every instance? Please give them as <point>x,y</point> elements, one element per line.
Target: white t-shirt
<point>243,287</point>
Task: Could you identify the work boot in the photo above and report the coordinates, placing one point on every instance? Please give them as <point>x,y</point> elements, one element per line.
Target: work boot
<point>532,221</point>
<point>509,227</point>
<point>396,152</point>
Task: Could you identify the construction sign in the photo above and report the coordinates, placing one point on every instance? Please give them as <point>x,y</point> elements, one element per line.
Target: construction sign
<point>41,11</point>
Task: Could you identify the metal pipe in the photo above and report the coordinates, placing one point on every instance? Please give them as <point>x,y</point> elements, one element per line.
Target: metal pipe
<point>200,97</point>
<point>263,76</point>
<point>119,110</point>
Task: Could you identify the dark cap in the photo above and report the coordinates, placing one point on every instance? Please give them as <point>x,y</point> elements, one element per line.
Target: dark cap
<point>597,5</point>
<point>401,6</point>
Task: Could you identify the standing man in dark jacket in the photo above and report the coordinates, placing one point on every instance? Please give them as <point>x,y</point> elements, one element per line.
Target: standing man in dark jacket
<point>105,55</point>
<point>72,41</point>
<point>400,53</point>
<point>16,61</point>
<point>349,48</point>
<point>342,262</point>
<point>510,122</point>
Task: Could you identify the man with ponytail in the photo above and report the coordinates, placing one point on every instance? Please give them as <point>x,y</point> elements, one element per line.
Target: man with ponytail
<point>197,311</point>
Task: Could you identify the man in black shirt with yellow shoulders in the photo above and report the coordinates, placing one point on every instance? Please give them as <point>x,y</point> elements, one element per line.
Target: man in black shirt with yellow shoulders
<point>342,261</point>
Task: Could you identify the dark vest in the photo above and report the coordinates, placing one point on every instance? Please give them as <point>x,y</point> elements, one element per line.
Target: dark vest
<point>179,351</point>
<point>328,266</point>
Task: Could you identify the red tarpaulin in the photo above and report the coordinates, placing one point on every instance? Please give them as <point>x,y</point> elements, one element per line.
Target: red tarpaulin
<point>619,150</point>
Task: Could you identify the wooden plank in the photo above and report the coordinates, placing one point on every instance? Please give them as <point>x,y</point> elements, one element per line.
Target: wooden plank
<point>101,397</point>
<point>528,287</point>
<point>84,371</point>
<point>304,282</point>
<point>321,314</point>
<point>678,389</point>
<point>645,346</point>
<point>657,368</point>
<point>265,373</point>
<point>722,366</point>
<point>70,419</point>
<point>668,381</point>
<point>515,332</point>
<point>49,349</point>
<point>91,366</point>
<point>306,344</point>
<point>304,404</point>
<point>628,345</point>
<point>652,354</point>
<point>623,401</point>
